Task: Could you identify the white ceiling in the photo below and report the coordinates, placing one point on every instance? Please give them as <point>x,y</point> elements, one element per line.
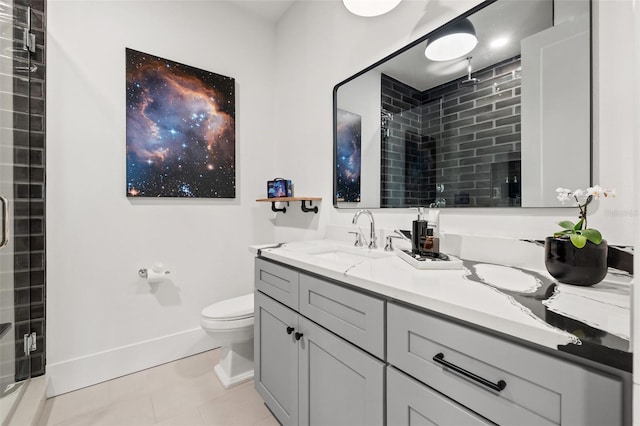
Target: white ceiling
<point>269,9</point>
<point>529,17</point>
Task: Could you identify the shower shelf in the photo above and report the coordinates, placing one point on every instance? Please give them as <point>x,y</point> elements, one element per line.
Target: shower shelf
<point>304,200</point>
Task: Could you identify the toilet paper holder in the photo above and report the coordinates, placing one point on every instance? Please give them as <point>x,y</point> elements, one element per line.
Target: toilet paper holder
<point>157,268</point>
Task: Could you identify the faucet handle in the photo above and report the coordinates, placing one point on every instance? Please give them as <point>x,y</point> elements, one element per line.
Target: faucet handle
<point>372,243</point>
<point>359,238</point>
<point>389,246</point>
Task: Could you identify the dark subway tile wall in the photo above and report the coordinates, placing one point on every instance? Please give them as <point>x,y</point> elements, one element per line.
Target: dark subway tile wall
<point>404,159</point>
<point>466,137</point>
<point>474,169</point>
<point>29,189</point>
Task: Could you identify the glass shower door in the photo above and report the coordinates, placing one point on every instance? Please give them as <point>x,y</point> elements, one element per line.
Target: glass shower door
<point>16,43</point>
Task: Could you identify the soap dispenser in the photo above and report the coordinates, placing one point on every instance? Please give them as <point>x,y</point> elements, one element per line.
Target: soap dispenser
<point>418,231</point>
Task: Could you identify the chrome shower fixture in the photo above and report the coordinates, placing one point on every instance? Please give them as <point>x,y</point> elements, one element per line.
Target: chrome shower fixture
<point>469,81</point>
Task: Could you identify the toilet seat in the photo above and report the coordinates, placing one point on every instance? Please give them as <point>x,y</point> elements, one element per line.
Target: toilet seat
<point>235,309</point>
<point>211,324</point>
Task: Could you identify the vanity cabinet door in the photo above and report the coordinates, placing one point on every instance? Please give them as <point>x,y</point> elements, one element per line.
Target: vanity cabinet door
<point>276,358</point>
<point>279,282</point>
<point>409,402</point>
<point>339,383</point>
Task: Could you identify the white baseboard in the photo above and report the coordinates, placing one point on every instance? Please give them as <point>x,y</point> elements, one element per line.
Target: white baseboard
<point>67,376</point>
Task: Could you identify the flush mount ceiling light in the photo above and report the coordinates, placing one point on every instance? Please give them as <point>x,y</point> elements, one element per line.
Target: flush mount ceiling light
<point>499,42</point>
<point>454,41</point>
<point>370,8</point>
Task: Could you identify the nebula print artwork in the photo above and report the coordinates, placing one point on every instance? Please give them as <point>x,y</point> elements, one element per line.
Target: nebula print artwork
<point>180,130</point>
<point>349,141</point>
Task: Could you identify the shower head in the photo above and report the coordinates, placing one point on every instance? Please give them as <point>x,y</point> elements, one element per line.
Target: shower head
<point>469,81</point>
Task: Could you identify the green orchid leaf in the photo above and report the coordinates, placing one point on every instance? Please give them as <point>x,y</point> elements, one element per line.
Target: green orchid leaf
<point>592,235</point>
<point>578,240</point>
<point>567,224</point>
<point>578,225</point>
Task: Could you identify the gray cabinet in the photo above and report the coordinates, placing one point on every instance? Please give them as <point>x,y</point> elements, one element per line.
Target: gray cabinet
<point>505,382</point>
<point>276,357</point>
<point>306,374</point>
<point>277,281</point>
<point>410,402</point>
<point>320,352</point>
<point>357,317</point>
<point>339,383</point>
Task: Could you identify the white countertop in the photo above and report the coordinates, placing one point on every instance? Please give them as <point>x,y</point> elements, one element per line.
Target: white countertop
<point>480,301</point>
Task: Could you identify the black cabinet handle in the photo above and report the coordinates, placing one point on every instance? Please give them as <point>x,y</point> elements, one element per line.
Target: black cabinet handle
<point>439,358</point>
<point>290,330</point>
<point>298,336</point>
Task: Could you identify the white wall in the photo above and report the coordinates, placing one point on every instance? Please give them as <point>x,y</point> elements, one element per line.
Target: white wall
<point>102,320</point>
<point>319,45</point>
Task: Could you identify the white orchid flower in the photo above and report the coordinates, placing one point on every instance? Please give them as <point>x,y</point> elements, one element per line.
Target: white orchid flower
<point>563,194</point>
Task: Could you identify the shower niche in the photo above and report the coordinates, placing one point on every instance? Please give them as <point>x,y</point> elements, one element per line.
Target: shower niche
<point>506,187</point>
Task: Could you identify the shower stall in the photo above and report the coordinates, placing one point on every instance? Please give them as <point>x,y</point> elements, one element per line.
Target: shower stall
<point>22,205</point>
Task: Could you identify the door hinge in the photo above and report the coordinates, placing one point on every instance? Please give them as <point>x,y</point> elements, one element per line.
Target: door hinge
<point>28,38</point>
<point>28,41</point>
<point>30,343</point>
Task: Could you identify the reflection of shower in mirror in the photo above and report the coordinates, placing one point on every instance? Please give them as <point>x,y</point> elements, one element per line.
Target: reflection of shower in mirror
<point>385,118</point>
<point>469,81</point>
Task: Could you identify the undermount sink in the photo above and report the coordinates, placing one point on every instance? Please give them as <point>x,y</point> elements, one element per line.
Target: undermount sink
<point>343,254</point>
<point>350,255</point>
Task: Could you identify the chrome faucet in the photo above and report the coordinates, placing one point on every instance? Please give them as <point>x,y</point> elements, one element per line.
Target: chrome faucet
<point>372,236</point>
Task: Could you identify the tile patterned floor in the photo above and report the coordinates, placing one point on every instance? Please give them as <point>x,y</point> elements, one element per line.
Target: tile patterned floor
<point>182,393</point>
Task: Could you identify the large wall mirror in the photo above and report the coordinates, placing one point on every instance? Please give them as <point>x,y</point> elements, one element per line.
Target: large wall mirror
<point>502,125</point>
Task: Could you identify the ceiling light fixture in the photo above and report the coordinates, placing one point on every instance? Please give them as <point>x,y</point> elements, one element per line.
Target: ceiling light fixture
<point>499,42</point>
<point>454,41</point>
<point>370,8</point>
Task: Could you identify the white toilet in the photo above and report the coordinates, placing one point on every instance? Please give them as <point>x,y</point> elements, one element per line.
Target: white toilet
<point>230,322</point>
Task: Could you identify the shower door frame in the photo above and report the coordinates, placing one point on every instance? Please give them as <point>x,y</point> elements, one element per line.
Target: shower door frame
<point>22,180</point>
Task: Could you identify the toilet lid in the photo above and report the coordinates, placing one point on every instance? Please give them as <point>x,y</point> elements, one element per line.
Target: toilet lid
<point>230,309</point>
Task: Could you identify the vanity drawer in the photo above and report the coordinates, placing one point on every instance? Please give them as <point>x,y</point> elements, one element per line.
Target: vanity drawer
<point>354,316</point>
<point>277,281</point>
<point>409,402</point>
<point>540,389</point>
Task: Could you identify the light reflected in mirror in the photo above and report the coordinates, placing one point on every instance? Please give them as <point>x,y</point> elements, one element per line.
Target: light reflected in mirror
<point>493,128</point>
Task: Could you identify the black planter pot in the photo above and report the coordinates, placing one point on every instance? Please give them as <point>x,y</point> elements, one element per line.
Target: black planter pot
<point>571,265</point>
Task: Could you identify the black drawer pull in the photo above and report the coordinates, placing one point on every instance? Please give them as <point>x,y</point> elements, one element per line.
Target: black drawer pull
<point>298,335</point>
<point>290,330</point>
<point>439,358</point>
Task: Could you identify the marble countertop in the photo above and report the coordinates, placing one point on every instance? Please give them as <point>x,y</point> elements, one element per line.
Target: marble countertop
<point>511,296</point>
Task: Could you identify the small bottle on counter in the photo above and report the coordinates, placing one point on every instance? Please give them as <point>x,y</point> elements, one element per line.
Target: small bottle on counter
<point>430,245</point>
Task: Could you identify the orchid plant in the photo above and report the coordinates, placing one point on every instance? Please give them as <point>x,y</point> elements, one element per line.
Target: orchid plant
<point>579,232</point>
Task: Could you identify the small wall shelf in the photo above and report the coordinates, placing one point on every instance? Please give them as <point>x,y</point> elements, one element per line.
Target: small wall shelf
<point>304,200</point>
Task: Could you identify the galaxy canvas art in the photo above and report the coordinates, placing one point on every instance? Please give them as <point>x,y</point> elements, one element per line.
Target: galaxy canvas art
<point>180,130</point>
<point>349,142</point>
